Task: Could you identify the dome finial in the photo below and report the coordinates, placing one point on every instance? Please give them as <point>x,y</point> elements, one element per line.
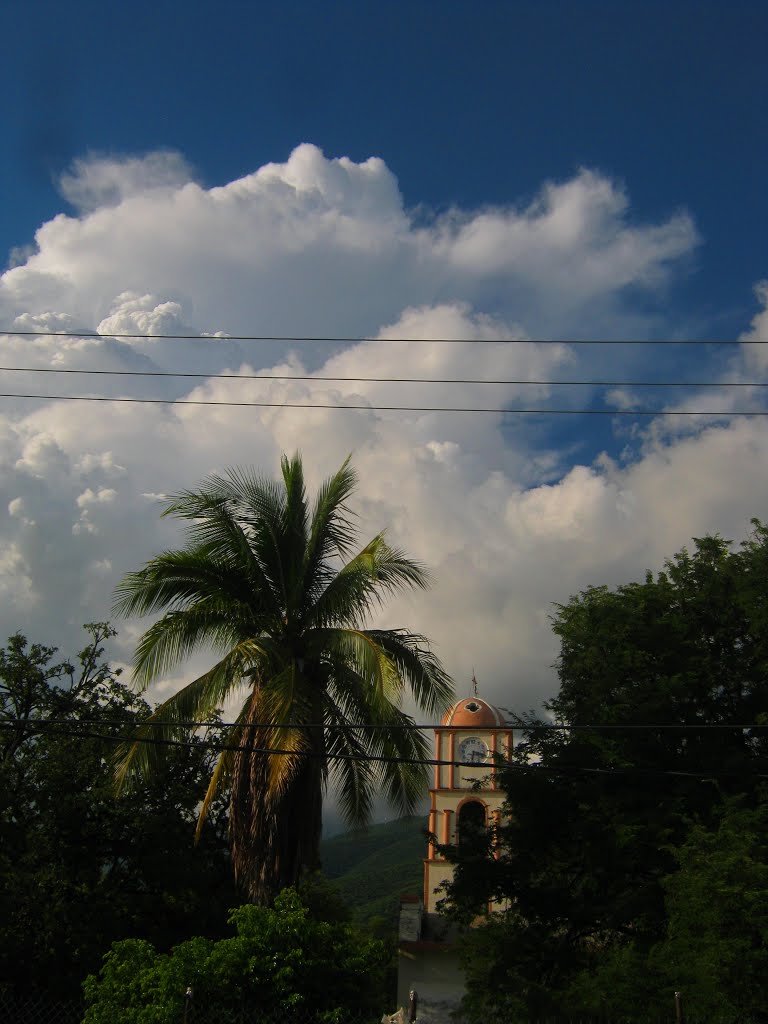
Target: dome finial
<point>474,684</point>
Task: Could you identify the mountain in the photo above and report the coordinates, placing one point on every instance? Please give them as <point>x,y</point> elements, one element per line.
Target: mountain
<point>372,867</point>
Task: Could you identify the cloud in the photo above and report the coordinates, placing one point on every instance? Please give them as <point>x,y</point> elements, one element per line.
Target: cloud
<point>327,246</point>
<point>623,399</point>
<point>143,315</point>
<point>16,585</point>
<point>99,181</point>
<point>588,215</point>
<point>511,512</point>
<point>754,354</point>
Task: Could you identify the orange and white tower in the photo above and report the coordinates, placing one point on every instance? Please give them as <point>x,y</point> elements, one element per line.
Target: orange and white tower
<point>468,737</point>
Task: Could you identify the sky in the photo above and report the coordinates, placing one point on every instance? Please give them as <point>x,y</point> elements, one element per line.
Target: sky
<point>518,177</point>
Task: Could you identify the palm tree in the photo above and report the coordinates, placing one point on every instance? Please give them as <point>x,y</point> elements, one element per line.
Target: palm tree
<point>272,587</point>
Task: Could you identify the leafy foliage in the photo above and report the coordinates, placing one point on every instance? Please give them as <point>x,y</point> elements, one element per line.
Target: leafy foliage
<point>281,960</point>
<point>716,946</point>
<point>78,867</point>
<point>270,583</point>
<point>614,834</point>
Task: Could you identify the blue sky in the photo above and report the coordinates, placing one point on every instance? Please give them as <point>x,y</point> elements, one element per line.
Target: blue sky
<point>481,170</point>
<point>467,103</point>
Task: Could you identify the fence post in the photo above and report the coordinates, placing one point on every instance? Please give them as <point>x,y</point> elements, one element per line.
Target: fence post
<point>679,1014</point>
<point>413,1005</point>
<point>187,1004</point>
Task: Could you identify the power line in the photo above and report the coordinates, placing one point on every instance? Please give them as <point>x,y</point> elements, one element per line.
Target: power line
<point>391,380</point>
<point>427,762</point>
<point>393,408</point>
<point>358,340</point>
<point>413,726</point>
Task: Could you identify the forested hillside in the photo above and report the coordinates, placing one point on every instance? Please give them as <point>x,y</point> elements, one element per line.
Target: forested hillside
<point>372,867</point>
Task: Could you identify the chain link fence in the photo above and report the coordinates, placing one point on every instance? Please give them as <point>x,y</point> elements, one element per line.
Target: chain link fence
<point>39,1010</point>
<point>200,1013</point>
<point>42,1010</point>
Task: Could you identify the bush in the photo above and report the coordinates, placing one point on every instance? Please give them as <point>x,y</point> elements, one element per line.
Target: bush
<point>280,961</point>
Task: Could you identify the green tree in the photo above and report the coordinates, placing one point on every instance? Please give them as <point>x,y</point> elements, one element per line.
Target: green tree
<point>597,817</point>
<point>268,582</point>
<point>78,867</point>
<point>716,947</point>
<point>281,961</point>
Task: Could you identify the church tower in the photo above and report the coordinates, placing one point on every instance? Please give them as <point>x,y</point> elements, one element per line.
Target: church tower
<point>470,733</point>
<point>468,736</point>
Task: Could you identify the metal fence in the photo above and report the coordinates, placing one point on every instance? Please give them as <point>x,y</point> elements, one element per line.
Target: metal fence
<point>198,1012</point>
<point>39,1010</point>
<point>42,1010</point>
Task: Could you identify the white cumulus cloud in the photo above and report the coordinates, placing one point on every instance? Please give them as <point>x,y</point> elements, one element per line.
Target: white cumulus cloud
<point>99,181</point>
<point>510,511</point>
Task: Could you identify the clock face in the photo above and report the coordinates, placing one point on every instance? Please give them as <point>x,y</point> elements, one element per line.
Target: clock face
<point>473,749</point>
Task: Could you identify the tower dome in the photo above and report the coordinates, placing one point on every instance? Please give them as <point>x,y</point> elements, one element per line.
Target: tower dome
<point>474,712</point>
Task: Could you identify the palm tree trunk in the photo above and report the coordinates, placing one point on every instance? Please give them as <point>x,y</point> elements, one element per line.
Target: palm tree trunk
<point>251,831</point>
<point>275,837</point>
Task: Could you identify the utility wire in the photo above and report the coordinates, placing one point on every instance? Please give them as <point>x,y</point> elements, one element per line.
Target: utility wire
<point>412,726</point>
<point>387,759</point>
<point>356,340</point>
<point>394,380</point>
<point>394,408</point>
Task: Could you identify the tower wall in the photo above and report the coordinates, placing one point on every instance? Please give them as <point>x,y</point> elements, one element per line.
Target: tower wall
<point>472,728</point>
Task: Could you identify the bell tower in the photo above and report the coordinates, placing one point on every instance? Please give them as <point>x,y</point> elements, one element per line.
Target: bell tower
<point>468,737</point>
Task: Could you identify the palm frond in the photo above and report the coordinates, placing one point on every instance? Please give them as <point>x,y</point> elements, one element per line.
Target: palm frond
<point>364,582</point>
<point>195,702</point>
<point>256,503</point>
<point>236,488</point>
<point>170,639</point>
<point>177,579</point>
<point>332,532</point>
<point>353,775</point>
<point>293,536</point>
<point>394,570</point>
<point>220,776</point>
<point>260,509</point>
<point>419,667</point>
<point>218,532</point>
<point>356,649</point>
<point>402,781</point>
<point>350,694</point>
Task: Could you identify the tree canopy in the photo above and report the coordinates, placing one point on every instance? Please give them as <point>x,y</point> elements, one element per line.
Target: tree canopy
<point>619,824</point>
<point>273,584</point>
<point>78,867</point>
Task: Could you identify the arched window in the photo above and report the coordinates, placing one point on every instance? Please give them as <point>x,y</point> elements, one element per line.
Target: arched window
<point>471,821</point>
